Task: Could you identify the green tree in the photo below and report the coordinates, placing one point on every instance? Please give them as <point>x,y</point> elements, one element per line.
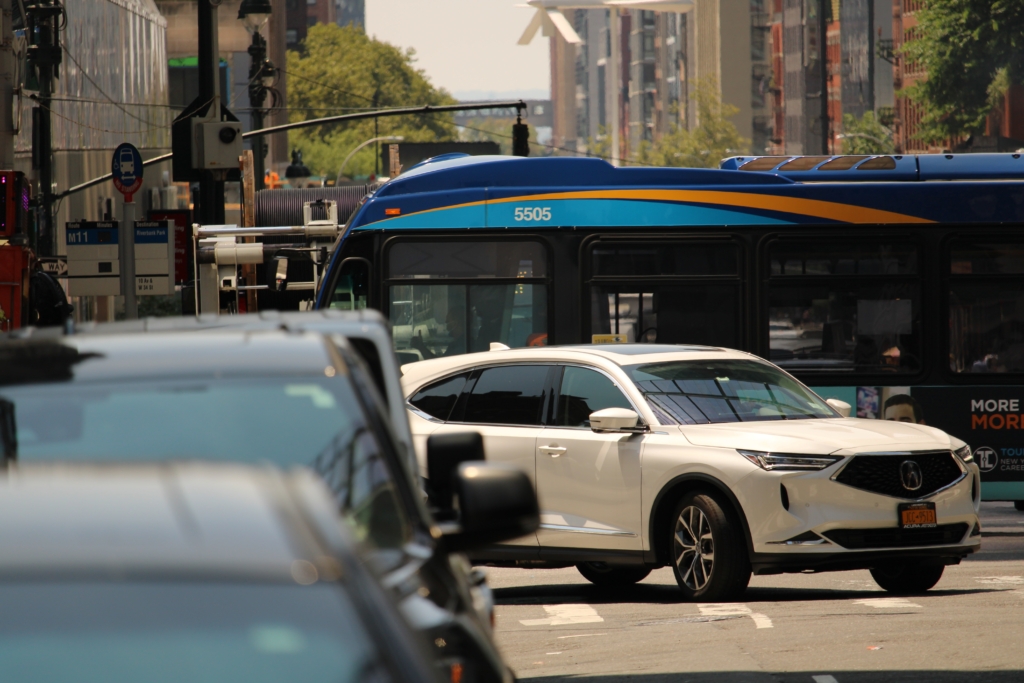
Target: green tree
<point>972,50</point>
<point>714,138</point>
<point>866,135</point>
<point>340,70</point>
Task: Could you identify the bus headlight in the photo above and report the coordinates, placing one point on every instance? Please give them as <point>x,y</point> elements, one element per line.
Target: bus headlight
<point>789,461</point>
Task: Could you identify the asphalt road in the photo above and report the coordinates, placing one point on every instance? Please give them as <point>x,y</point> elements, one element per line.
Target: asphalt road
<point>553,625</point>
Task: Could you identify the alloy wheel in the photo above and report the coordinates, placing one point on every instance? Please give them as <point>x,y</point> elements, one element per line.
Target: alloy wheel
<point>694,548</point>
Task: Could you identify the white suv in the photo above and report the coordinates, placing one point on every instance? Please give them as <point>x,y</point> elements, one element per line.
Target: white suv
<point>713,461</point>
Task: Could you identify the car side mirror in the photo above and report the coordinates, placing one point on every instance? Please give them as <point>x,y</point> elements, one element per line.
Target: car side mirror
<point>841,407</point>
<point>445,452</point>
<point>495,503</point>
<point>616,420</point>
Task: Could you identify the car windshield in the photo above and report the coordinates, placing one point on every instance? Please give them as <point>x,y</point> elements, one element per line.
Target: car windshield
<point>294,420</point>
<point>282,420</point>
<point>715,391</point>
<point>106,632</point>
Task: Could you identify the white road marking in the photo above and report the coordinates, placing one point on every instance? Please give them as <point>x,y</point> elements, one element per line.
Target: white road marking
<point>554,653</point>
<point>728,609</point>
<point>824,679</point>
<point>565,614</point>
<point>1001,580</point>
<point>886,603</point>
<point>583,635</point>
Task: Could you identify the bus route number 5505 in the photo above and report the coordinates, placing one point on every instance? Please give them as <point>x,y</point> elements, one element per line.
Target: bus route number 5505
<point>533,213</point>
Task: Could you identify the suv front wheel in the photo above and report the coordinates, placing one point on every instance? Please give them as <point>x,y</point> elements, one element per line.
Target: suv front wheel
<point>708,555</point>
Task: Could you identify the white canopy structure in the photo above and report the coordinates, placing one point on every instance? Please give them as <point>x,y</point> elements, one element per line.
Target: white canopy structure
<point>549,18</point>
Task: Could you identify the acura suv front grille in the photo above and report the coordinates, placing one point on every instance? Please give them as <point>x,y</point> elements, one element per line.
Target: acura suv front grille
<point>892,475</point>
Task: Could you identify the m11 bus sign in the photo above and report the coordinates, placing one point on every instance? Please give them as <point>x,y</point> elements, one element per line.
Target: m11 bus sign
<point>127,170</point>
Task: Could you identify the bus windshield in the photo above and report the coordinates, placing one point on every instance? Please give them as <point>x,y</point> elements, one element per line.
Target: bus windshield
<point>711,392</point>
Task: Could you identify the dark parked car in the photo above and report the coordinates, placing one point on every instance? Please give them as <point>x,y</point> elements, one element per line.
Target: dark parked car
<point>195,572</point>
<point>289,398</point>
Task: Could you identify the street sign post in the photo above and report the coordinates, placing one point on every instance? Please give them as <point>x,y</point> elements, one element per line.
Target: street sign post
<point>93,265</point>
<point>154,258</point>
<point>126,168</point>
<point>54,265</point>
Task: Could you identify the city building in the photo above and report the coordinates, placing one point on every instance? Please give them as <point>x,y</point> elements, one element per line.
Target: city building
<point>645,80</point>
<point>305,13</point>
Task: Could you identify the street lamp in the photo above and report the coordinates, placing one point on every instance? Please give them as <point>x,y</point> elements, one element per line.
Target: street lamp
<point>255,14</point>
<point>385,138</point>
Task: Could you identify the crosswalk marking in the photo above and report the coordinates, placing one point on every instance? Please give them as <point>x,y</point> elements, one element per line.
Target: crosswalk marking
<point>726,609</point>
<point>565,614</point>
<point>886,603</point>
<point>824,679</point>
<point>1001,580</point>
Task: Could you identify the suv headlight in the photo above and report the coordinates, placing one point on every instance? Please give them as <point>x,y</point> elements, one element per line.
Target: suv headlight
<point>964,454</point>
<point>789,461</point>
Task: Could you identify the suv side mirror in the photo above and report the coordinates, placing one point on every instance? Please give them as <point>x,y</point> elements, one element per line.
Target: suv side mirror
<point>445,452</point>
<point>841,407</point>
<point>495,503</point>
<point>616,420</point>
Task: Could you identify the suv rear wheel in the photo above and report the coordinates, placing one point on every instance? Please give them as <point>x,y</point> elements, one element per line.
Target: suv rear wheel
<point>709,557</point>
<point>603,574</point>
<point>908,578</point>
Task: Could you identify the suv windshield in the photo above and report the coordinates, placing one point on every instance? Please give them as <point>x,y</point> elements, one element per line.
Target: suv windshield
<point>714,391</point>
<point>197,632</point>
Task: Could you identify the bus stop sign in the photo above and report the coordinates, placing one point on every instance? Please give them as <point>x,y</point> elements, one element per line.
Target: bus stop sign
<point>127,170</point>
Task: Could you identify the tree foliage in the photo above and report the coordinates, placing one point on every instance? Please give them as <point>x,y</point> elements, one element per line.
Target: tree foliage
<point>866,135</point>
<point>971,50</point>
<point>340,70</point>
<point>714,138</point>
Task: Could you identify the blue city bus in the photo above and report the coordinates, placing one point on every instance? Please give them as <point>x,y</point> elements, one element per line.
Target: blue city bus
<point>870,278</point>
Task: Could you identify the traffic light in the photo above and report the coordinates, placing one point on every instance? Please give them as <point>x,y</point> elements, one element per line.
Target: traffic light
<point>520,138</point>
<point>14,200</point>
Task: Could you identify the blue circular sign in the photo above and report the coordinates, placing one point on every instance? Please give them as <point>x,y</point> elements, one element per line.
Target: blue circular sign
<point>127,170</point>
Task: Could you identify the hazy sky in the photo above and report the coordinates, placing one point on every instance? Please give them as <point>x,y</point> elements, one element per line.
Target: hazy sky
<point>466,46</point>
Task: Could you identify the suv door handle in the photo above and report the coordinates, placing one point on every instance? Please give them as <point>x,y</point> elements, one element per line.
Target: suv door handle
<point>553,451</point>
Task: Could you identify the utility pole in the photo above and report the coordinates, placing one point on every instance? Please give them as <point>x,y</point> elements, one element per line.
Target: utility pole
<point>211,187</point>
<point>255,14</point>
<point>826,128</point>
<point>8,72</point>
<point>44,55</point>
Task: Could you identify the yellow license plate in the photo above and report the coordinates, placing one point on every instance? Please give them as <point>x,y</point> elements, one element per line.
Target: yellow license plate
<point>917,515</point>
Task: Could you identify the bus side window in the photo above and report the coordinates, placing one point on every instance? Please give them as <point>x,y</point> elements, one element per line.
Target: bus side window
<point>666,291</point>
<point>840,306</point>
<point>986,307</point>
<point>353,285</point>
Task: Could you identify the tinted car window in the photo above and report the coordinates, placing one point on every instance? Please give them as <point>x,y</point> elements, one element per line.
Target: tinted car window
<point>583,392</point>
<point>511,394</point>
<point>438,399</point>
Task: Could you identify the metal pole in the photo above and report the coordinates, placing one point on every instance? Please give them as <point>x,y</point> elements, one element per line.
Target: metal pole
<point>405,111</point>
<point>616,86</point>
<point>8,66</point>
<point>211,192</point>
<point>257,96</point>
<point>826,132</point>
<point>126,245</point>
